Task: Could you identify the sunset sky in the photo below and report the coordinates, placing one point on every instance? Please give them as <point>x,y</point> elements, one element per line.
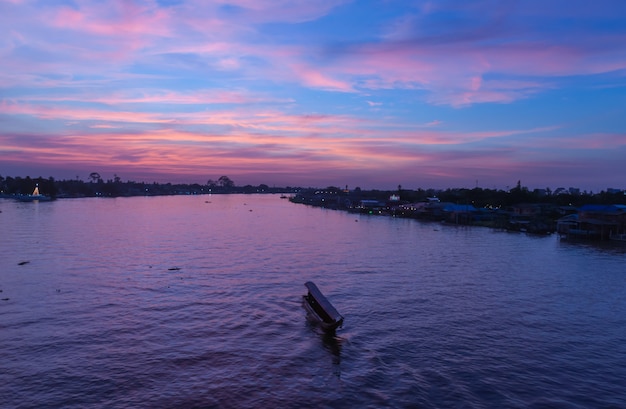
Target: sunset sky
<point>375,94</point>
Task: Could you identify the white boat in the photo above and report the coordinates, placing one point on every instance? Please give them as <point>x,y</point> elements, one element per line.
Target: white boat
<point>35,196</point>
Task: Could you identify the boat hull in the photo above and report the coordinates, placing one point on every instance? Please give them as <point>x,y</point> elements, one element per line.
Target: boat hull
<point>315,318</point>
<point>33,198</point>
<point>320,310</point>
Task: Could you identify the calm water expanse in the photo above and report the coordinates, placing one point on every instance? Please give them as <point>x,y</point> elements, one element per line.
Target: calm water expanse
<point>195,302</point>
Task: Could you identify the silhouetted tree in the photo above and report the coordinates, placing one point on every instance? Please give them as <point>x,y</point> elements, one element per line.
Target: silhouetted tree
<point>94,176</point>
<point>225,182</point>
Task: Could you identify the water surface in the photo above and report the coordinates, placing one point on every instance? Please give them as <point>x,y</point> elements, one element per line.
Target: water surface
<point>195,301</point>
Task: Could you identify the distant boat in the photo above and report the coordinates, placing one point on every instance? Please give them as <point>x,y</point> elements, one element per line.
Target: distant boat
<point>35,196</point>
<point>320,309</point>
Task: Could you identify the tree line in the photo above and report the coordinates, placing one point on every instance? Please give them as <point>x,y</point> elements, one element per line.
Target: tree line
<point>95,186</point>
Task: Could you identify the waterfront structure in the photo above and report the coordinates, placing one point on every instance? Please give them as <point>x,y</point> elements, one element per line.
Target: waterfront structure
<point>598,222</point>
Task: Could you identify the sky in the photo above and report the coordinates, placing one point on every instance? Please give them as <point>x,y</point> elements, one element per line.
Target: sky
<point>370,94</point>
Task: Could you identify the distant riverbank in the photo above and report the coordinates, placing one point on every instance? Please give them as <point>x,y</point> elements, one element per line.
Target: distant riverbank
<point>589,221</point>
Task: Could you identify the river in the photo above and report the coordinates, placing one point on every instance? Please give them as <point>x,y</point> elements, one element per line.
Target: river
<point>195,302</point>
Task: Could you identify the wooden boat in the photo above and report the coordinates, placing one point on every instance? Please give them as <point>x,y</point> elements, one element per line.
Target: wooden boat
<point>320,309</point>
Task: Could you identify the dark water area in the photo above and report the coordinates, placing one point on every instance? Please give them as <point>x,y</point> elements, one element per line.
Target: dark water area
<point>195,302</point>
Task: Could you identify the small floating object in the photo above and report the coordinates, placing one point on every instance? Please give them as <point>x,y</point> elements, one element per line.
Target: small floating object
<point>174,268</point>
<point>21,263</point>
<point>5,299</point>
<point>320,309</point>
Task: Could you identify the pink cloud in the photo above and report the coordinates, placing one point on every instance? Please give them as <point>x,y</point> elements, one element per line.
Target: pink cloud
<point>292,11</point>
<point>114,19</point>
<point>316,79</point>
<point>81,114</point>
<point>454,78</point>
<point>151,96</point>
